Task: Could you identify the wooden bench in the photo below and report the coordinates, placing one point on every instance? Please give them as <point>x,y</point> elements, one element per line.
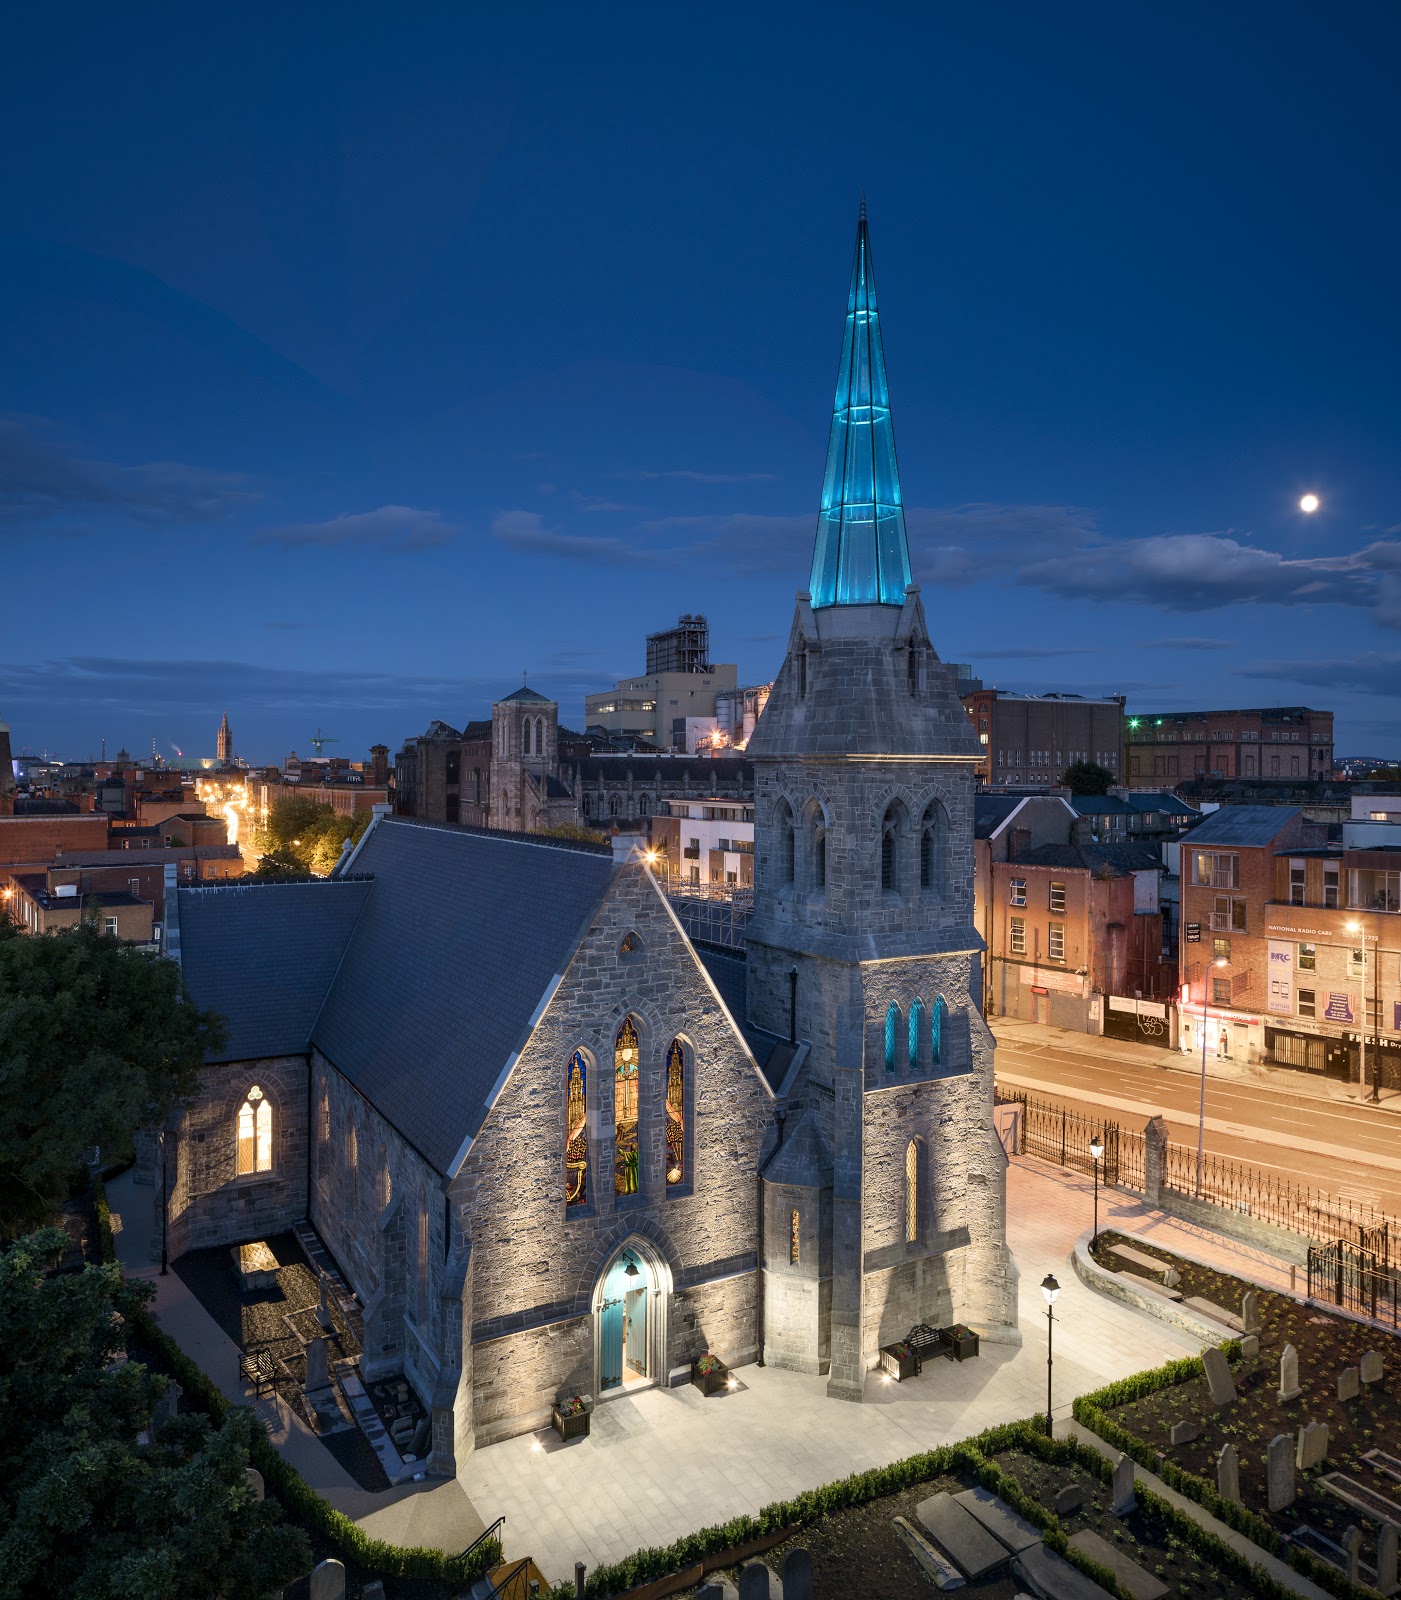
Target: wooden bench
<point>1126,1252</point>
<point>257,1369</point>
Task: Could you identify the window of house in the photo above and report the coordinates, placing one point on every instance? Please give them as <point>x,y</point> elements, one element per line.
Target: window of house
<point>1017,896</point>
<point>1356,963</point>
<point>626,1059</point>
<point>254,1134</point>
<point>1298,873</point>
<point>1331,875</point>
<point>1055,941</point>
<point>1057,897</point>
<point>1221,948</point>
<point>576,1132</point>
<point>675,1112</point>
<point>1221,991</point>
<point>109,925</point>
<point>794,1235</point>
<point>1306,1001</point>
<point>1016,936</point>
<point>1308,958</point>
<point>1227,914</point>
<point>1215,869</point>
<point>1370,890</point>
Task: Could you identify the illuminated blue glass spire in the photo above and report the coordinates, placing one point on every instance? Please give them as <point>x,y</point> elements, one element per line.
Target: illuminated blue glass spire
<point>861,557</point>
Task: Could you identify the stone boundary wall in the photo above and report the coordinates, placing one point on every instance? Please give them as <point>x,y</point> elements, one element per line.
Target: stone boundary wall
<point>1113,1287</point>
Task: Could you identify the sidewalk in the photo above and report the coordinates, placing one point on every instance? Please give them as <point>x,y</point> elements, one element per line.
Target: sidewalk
<point>1031,1036</point>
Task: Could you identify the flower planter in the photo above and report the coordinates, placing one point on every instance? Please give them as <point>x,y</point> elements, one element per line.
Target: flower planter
<point>573,1427</point>
<point>711,1382</point>
<point>898,1366</point>
<point>962,1346</point>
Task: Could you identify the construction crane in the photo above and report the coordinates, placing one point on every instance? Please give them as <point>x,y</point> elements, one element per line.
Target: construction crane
<point>318,739</point>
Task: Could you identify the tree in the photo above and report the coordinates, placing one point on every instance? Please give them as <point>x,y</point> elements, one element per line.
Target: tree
<point>303,831</point>
<point>86,1509</point>
<point>96,1040</point>
<point>1085,777</point>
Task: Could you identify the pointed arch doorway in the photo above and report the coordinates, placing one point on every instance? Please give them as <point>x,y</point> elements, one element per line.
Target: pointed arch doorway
<point>631,1313</point>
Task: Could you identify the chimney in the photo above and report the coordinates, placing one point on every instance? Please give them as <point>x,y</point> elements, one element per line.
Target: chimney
<point>1082,831</point>
<point>1018,842</point>
<point>379,765</point>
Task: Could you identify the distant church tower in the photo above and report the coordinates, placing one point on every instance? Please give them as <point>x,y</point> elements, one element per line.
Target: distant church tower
<point>864,779</point>
<point>524,756</point>
<point>225,748</point>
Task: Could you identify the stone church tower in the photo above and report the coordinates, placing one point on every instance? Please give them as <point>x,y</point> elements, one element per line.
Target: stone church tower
<point>863,940</point>
<point>224,751</point>
<point>526,793</point>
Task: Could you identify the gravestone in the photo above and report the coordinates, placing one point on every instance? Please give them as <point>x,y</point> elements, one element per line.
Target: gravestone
<point>1228,1473</point>
<point>754,1581</point>
<point>1183,1433</point>
<point>323,1309</point>
<point>373,1591</point>
<point>1250,1312</point>
<point>1312,1446</point>
<point>1171,1278</point>
<point>1352,1549</point>
<point>1122,1501</point>
<point>1218,1376</point>
<point>1279,1470</point>
<point>1250,1346</point>
<point>797,1575</point>
<point>167,1407</point>
<point>1371,1369</point>
<point>999,1519</point>
<point>254,1479</point>
<point>1068,1500</point>
<point>1387,1536</point>
<point>318,1371</point>
<point>1347,1384</point>
<point>328,1581</point>
<point>1289,1374</point>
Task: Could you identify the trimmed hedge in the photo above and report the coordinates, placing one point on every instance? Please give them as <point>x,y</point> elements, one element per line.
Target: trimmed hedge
<point>1090,1410</point>
<point>298,1499</point>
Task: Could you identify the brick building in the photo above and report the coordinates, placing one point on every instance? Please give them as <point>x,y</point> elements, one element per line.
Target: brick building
<point>1031,739</point>
<point>1277,742</point>
<point>42,903</point>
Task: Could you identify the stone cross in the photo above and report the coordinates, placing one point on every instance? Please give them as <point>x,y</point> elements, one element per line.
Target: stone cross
<point>1218,1376</point>
<point>1352,1549</point>
<point>1122,1501</point>
<point>1312,1447</point>
<point>1279,1470</point>
<point>1347,1384</point>
<point>797,1575</point>
<point>1249,1346</point>
<point>318,1374</point>
<point>1228,1473</point>
<point>328,1581</point>
<point>754,1581</point>
<point>1387,1536</point>
<point>1289,1374</point>
<point>254,1479</point>
<point>1250,1312</point>
<point>1371,1366</point>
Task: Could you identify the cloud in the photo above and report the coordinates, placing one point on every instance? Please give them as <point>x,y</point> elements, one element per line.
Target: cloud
<point>985,540</point>
<point>1032,652</point>
<point>1371,672</point>
<point>527,530</point>
<point>398,528</point>
<point>749,542</point>
<point>688,475</point>
<point>1185,644</point>
<point>39,478</point>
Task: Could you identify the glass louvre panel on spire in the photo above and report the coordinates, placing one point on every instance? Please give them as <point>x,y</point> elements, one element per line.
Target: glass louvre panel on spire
<point>861,556</point>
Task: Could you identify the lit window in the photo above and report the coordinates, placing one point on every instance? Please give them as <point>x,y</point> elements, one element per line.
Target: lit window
<point>626,1057</point>
<point>1055,941</point>
<point>793,1238</point>
<point>936,1028</point>
<point>1221,991</point>
<point>675,1112</point>
<point>254,1134</point>
<point>916,1024</point>
<point>1308,958</point>
<point>1221,949</point>
<point>912,1192</point>
<point>892,1025</point>
<point>1058,897</point>
<point>576,1133</point>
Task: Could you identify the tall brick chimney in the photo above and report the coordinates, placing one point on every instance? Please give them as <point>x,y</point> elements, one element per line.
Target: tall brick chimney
<point>379,765</point>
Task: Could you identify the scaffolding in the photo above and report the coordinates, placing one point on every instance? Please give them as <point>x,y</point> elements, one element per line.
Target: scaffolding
<point>684,648</point>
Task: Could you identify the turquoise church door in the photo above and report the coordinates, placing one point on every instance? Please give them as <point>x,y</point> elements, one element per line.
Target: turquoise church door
<point>610,1352</point>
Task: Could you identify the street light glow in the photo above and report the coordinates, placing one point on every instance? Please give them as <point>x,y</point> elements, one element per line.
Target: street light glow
<point>1050,1288</point>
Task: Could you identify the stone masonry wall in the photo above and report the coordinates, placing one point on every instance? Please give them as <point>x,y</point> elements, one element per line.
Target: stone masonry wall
<point>209,1203</point>
<point>536,1265</point>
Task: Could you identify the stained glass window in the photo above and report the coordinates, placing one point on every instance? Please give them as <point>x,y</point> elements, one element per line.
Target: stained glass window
<point>793,1239</point>
<point>676,1112</point>
<point>625,1059</point>
<point>422,1254</point>
<point>576,1135</point>
<point>384,1184</point>
<point>912,1191</point>
<point>916,1021</point>
<point>254,1134</point>
<point>352,1161</point>
<point>892,1023</point>
<point>936,1027</point>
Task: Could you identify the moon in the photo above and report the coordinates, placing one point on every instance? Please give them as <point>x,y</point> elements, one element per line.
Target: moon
<point>1309,504</point>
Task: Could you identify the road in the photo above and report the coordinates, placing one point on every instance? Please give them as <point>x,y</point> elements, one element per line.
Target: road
<point>1351,1150</point>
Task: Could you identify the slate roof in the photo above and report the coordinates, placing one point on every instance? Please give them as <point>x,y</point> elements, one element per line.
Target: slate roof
<point>527,696</point>
<point>729,973</point>
<point>459,941</point>
<point>1245,826</point>
<point>990,811</point>
<point>1117,859</point>
<point>1170,805</point>
<point>263,956</point>
<point>802,1158</point>
<point>1101,805</point>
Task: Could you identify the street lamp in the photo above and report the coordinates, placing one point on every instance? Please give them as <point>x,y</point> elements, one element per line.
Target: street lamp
<point>1097,1151</point>
<point>1220,961</point>
<point>1050,1288</point>
<point>1354,927</point>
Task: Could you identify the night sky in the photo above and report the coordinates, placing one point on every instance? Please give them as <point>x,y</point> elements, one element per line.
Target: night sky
<point>354,359</point>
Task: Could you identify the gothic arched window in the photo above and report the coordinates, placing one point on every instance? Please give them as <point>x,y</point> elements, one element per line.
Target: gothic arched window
<point>892,1028</point>
<point>675,1112</point>
<point>352,1165</point>
<point>323,1128</point>
<point>527,742</point>
<point>802,673</point>
<point>787,852</point>
<point>615,805</point>
<point>625,1062</point>
<point>913,663</point>
<point>422,1254</point>
<point>929,846</point>
<point>586,805</point>
<point>912,1165</point>
<point>892,826</point>
<point>916,1023</point>
<point>936,1028</point>
<point>384,1186</point>
<point>576,1133</point>
<point>254,1134</point>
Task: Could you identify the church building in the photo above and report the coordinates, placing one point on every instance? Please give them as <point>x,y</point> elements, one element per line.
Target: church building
<point>553,1146</point>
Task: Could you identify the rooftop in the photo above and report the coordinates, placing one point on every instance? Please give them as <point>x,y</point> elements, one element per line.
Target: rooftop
<point>1246,826</point>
